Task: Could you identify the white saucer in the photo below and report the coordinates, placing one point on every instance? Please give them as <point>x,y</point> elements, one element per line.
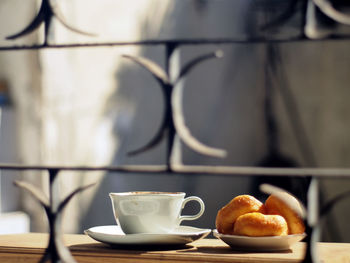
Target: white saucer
<point>113,235</point>
<point>271,243</point>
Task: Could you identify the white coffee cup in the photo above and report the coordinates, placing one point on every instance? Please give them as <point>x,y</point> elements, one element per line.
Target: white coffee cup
<point>151,212</point>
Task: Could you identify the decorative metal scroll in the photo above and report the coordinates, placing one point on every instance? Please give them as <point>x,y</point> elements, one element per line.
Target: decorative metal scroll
<point>56,251</point>
<point>329,9</point>
<point>47,11</point>
<point>324,17</point>
<point>173,122</point>
<point>319,16</point>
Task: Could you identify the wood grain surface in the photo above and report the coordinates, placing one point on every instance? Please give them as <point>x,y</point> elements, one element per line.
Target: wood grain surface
<point>30,247</point>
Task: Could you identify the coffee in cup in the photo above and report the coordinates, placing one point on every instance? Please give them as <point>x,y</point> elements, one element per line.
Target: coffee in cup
<point>151,212</point>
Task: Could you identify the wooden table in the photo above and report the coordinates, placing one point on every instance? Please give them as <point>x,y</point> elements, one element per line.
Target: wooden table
<point>30,247</point>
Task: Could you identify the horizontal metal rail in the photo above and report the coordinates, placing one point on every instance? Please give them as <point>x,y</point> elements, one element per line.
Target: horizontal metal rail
<point>195,169</point>
<point>53,207</point>
<point>151,42</point>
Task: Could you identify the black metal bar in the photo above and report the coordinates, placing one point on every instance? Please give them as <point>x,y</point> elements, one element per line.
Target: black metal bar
<point>198,41</point>
<point>54,188</point>
<point>56,250</point>
<point>170,128</point>
<point>335,173</point>
<point>312,222</point>
<point>53,217</point>
<point>48,14</point>
<point>169,51</point>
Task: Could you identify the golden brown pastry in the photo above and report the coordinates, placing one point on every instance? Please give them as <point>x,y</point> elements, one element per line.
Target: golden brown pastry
<point>238,206</point>
<point>289,207</point>
<point>259,225</point>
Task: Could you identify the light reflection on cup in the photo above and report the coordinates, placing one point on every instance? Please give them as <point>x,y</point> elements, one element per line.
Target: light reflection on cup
<point>151,212</point>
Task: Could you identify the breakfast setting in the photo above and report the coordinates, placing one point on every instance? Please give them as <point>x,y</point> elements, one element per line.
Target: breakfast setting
<point>193,131</point>
<point>154,219</point>
<point>152,226</point>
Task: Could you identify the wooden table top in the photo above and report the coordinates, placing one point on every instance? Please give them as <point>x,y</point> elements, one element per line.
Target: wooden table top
<point>30,247</point>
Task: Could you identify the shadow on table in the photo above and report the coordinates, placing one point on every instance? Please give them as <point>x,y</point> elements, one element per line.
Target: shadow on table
<point>100,247</point>
<point>228,250</point>
<point>136,249</point>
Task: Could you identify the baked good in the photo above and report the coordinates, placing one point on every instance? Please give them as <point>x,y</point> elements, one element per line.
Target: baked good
<point>288,206</point>
<point>259,225</point>
<point>238,206</point>
<point>282,214</point>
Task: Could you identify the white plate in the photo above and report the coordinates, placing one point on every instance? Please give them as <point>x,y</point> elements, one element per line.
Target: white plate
<point>272,243</point>
<point>113,235</point>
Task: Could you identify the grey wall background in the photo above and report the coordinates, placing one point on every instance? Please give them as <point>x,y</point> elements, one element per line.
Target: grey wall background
<point>224,107</point>
<point>90,106</point>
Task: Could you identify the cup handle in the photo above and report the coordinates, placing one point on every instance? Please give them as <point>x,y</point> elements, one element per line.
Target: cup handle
<point>196,216</point>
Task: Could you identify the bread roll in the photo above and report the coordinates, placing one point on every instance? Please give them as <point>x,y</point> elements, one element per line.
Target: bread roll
<point>238,206</point>
<point>289,207</point>
<point>259,225</point>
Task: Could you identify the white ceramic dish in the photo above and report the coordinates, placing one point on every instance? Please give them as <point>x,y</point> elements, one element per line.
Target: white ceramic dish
<point>274,243</point>
<point>113,235</point>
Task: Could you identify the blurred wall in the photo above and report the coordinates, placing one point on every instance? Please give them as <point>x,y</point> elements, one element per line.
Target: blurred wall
<point>90,106</point>
<point>224,108</point>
